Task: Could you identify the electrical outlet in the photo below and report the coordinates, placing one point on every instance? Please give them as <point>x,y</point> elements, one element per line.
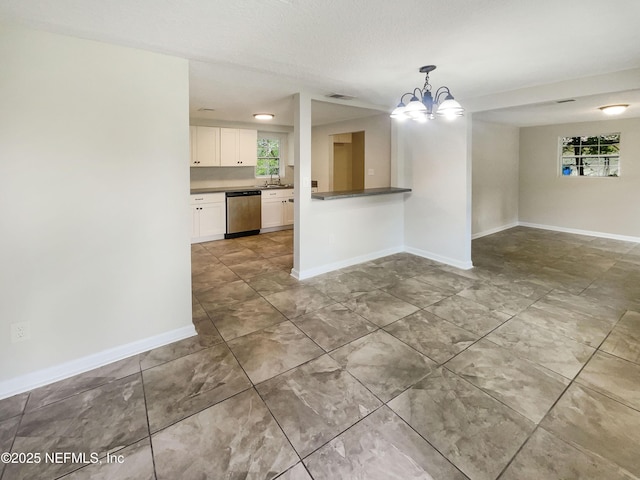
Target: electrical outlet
<point>332,239</point>
<point>20,332</point>
<point>372,171</point>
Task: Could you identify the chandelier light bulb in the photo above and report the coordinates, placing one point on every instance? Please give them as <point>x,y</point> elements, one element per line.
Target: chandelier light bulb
<point>423,105</point>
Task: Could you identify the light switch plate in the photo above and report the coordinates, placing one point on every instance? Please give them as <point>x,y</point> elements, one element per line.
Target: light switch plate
<point>371,172</point>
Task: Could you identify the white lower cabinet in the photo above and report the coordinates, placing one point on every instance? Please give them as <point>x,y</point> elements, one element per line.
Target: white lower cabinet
<point>208,217</point>
<point>277,211</point>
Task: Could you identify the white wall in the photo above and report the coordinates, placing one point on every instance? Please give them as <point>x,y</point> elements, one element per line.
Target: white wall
<point>94,190</point>
<point>495,152</point>
<point>377,150</point>
<point>330,234</point>
<point>603,205</point>
<point>436,164</point>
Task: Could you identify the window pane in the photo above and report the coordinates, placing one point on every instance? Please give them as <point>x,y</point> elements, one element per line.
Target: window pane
<point>609,139</point>
<point>609,149</point>
<point>590,140</point>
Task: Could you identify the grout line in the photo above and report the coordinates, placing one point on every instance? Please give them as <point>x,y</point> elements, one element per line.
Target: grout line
<point>146,412</point>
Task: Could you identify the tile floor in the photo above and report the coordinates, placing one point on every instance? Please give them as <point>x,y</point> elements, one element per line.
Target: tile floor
<point>525,367</point>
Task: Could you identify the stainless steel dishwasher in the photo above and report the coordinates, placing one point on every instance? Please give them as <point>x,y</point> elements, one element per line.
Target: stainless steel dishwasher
<point>244,213</point>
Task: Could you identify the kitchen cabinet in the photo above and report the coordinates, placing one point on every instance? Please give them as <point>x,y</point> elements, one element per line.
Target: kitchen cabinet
<point>205,146</point>
<point>277,211</point>
<point>208,217</point>
<point>238,147</point>
<point>288,212</point>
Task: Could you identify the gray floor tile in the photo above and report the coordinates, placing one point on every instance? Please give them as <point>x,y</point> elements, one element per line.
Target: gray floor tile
<point>446,281</point>
<point>598,424</point>
<point>595,423</point>
<point>239,256</point>
<point>544,347</point>
<point>182,387</point>
<point>379,307</point>
<point>431,335</point>
<point>315,402</point>
<point>405,264</point>
<point>214,277</point>
<point>137,464</point>
<point>8,429</point>
<point>624,340</point>
<point>468,314</point>
<point>272,282</point>
<point>472,430</point>
<point>12,406</point>
<point>582,304</point>
<point>245,317</point>
<point>273,350</point>
<point>99,420</point>
<point>207,337</point>
<point>416,292</point>
<point>284,262</point>
<point>253,268</point>
<point>547,457</point>
<point>80,383</point>
<point>298,301</point>
<point>613,377</point>
<point>497,298</point>
<point>297,472</point>
<point>237,438</point>
<point>226,294</point>
<point>385,365</point>
<point>579,326</point>
<point>342,286</point>
<point>333,326</point>
<point>381,447</point>
<point>529,389</point>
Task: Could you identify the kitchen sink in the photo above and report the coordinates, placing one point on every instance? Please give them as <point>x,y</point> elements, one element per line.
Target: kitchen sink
<point>275,186</point>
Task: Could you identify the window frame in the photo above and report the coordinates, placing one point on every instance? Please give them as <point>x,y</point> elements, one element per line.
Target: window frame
<point>282,139</point>
<point>600,157</point>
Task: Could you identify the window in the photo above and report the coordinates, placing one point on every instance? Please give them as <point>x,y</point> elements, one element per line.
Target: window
<point>595,156</point>
<point>270,148</point>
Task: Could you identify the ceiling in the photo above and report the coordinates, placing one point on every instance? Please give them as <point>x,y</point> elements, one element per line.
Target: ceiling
<point>566,110</point>
<point>253,55</point>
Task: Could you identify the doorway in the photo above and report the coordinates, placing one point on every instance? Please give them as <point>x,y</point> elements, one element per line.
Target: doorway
<point>348,161</point>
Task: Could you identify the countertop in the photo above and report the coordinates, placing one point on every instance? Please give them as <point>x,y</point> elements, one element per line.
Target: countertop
<point>198,191</point>
<point>367,192</point>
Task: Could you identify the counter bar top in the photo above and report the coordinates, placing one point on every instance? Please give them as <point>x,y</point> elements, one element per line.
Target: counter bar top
<point>367,192</point>
<point>199,191</point>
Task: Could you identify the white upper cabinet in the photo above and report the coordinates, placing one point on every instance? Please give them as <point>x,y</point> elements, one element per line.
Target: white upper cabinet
<point>205,146</point>
<point>238,147</point>
<point>226,147</point>
<point>248,147</point>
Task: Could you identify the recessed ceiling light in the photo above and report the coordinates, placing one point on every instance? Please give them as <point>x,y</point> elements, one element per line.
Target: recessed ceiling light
<point>614,109</point>
<point>263,116</point>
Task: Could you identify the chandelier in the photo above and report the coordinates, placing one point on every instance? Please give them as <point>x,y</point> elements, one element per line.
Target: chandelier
<point>424,106</point>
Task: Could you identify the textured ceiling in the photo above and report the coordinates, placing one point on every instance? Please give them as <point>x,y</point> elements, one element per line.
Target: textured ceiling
<point>252,55</point>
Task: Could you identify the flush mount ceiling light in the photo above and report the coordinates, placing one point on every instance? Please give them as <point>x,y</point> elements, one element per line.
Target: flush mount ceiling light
<point>424,106</point>
<point>614,109</point>
<point>263,116</point>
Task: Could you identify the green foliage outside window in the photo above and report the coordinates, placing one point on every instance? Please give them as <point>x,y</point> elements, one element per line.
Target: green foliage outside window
<point>268,157</point>
<point>591,156</point>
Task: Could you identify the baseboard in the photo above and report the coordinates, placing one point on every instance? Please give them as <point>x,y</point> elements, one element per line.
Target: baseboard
<point>36,379</point>
<point>612,236</point>
<point>440,258</point>
<point>276,229</point>
<point>491,231</point>
<point>208,238</point>
<point>330,267</point>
